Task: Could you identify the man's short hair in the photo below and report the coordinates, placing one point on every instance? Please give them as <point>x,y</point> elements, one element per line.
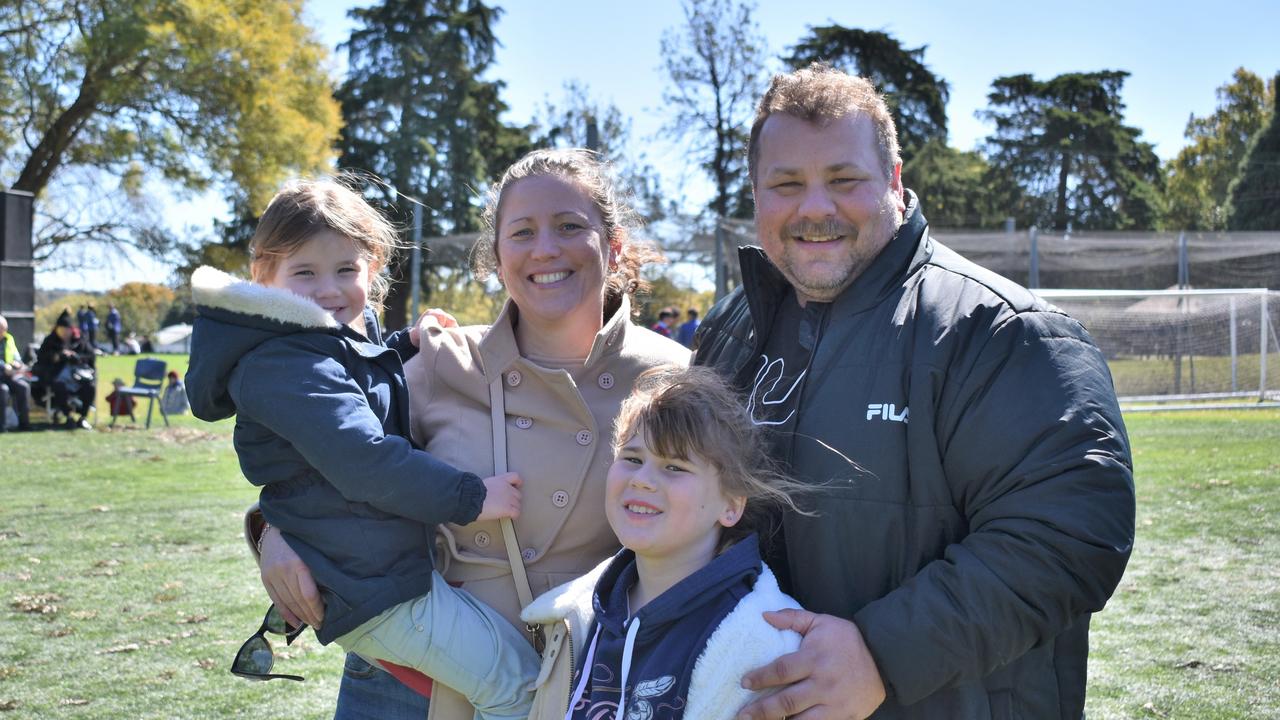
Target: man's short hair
<point>820,94</point>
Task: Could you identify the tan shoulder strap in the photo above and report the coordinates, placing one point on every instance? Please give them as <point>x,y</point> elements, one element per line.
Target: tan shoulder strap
<point>498,418</point>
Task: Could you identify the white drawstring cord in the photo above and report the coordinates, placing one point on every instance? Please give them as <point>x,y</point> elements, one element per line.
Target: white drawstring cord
<point>626,666</point>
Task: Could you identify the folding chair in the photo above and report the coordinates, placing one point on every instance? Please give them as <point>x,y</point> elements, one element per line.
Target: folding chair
<point>148,381</point>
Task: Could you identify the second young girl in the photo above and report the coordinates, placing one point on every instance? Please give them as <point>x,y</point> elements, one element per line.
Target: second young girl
<point>667,628</point>
<point>322,425</point>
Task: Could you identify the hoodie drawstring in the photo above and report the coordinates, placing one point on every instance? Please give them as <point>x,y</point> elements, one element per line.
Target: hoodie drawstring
<point>626,666</point>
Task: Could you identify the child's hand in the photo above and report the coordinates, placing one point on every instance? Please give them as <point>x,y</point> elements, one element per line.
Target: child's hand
<point>433,318</point>
<point>502,498</point>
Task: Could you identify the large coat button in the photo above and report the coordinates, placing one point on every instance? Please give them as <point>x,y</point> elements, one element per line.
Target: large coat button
<point>482,539</point>
<point>584,437</point>
<point>524,423</point>
<point>528,554</point>
<point>605,381</point>
<point>560,498</point>
<point>514,377</point>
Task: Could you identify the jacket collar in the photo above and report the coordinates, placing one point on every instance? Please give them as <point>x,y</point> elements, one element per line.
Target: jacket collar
<point>498,349</point>
<point>215,289</point>
<point>909,249</point>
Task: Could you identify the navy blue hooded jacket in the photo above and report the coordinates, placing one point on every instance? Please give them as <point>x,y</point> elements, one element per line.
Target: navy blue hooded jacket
<point>669,633</point>
<point>322,425</point>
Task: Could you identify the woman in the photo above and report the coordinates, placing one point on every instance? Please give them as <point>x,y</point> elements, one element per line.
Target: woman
<point>564,353</point>
<point>64,367</point>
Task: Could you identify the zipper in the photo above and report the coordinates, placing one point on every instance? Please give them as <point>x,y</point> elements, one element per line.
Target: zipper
<point>573,665</point>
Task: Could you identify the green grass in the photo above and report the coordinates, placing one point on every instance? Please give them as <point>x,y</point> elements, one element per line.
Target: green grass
<point>126,586</point>
<point>1200,374</point>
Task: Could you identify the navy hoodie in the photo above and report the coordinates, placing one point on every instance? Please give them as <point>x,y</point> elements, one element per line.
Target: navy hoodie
<point>672,632</point>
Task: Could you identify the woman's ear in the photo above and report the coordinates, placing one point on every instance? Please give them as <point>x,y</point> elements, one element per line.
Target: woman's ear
<point>733,510</point>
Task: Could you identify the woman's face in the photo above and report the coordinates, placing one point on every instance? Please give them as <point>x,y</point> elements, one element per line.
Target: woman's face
<point>552,252</point>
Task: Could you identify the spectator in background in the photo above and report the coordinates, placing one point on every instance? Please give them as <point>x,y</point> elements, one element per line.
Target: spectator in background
<point>13,383</point>
<point>121,404</point>
<point>64,367</point>
<point>666,316</point>
<point>131,344</point>
<point>685,335</point>
<point>174,400</point>
<point>114,326</point>
<point>89,328</point>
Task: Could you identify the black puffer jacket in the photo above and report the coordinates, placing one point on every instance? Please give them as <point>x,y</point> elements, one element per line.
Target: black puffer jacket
<point>993,507</point>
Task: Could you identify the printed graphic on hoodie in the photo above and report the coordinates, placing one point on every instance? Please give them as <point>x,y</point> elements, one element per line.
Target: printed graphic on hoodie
<point>648,700</point>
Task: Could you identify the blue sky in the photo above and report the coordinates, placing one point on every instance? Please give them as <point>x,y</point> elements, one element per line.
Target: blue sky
<point>1177,54</point>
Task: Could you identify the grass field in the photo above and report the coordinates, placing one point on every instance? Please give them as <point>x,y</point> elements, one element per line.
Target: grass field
<point>127,587</point>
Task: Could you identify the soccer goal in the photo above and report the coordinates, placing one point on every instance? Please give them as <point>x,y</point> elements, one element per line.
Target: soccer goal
<point>1170,348</point>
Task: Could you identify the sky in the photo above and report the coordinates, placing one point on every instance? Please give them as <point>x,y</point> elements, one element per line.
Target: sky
<point>1177,52</point>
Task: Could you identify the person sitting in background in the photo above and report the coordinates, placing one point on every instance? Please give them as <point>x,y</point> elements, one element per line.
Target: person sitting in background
<point>64,367</point>
<point>13,381</point>
<point>120,403</point>
<point>174,400</point>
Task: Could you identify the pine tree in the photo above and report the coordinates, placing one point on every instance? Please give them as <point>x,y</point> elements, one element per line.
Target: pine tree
<point>1255,194</point>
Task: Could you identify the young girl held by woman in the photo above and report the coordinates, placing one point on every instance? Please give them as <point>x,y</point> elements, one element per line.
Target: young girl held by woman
<point>323,428</point>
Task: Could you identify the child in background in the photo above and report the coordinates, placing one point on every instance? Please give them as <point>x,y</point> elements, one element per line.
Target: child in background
<point>679,619</point>
<point>174,399</point>
<point>322,427</point>
<point>120,404</point>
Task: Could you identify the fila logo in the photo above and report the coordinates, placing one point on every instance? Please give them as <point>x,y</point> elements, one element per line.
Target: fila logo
<point>886,411</point>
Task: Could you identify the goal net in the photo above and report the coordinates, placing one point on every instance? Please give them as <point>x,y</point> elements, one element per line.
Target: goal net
<point>1183,345</point>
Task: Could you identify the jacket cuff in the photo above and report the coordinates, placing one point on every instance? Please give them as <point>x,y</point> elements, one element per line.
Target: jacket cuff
<point>471,495</point>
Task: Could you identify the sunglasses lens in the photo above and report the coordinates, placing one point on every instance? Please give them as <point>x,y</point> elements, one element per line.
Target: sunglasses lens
<point>255,657</point>
<point>274,622</point>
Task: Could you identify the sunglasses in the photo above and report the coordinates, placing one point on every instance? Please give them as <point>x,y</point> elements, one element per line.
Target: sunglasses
<point>255,657</point>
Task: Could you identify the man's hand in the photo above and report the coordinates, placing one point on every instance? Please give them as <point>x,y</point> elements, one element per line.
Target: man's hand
<point>288,581</point>
<point>502,497</point>
<point>831,677</point>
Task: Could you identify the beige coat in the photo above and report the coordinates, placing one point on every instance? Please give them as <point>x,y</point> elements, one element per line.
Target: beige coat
<point>559,427</point>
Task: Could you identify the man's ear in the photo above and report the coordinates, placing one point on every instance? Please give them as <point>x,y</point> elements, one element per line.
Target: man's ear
<point>895,186</point>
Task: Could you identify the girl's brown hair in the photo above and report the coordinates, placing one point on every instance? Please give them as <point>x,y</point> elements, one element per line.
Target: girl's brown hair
<point>688,411</point>
<point>306,207</point>
<point>594,177</point>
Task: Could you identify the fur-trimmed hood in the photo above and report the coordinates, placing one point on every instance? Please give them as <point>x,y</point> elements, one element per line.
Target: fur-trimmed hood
<point>235,316</point>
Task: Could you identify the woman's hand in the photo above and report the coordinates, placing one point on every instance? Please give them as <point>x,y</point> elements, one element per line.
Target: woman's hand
<point>502,497</point>
<point>288,581</point>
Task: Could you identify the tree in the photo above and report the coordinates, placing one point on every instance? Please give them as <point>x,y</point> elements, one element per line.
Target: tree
<point>1255,194</point>
<point>193,92</point>
<point>1063,141</point>
<point>142,306</point>
<point>1200,175</point>
<point>957,188</point>
<point>418,116</point>
<point>566,125</point>
<point>916,97</point>
<point>714,63</point>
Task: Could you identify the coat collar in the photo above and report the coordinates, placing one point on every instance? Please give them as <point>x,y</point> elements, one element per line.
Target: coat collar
<point>498,349</point>
<point>213,288</point>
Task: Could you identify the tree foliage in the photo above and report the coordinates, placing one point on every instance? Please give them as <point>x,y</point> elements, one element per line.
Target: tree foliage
<point>418,115</point>
<point>1200,175</point>
<point>1064,143</point>
<point>143,306</point>
<point>714,63</point>
<point>957,189</point>
<point>565,124</point>
<point>1255,194</point>
<point>193,92</point>
<point>917,98</point>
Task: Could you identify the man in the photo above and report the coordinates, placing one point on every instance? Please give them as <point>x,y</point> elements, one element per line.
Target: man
<point>13,384</point>
<point>974,495</point>
<point>114,326</point>
<point>688,328</point>
<point>663,326</point>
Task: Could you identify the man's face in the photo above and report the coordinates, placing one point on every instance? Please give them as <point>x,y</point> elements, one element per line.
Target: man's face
<point>824,208</point>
